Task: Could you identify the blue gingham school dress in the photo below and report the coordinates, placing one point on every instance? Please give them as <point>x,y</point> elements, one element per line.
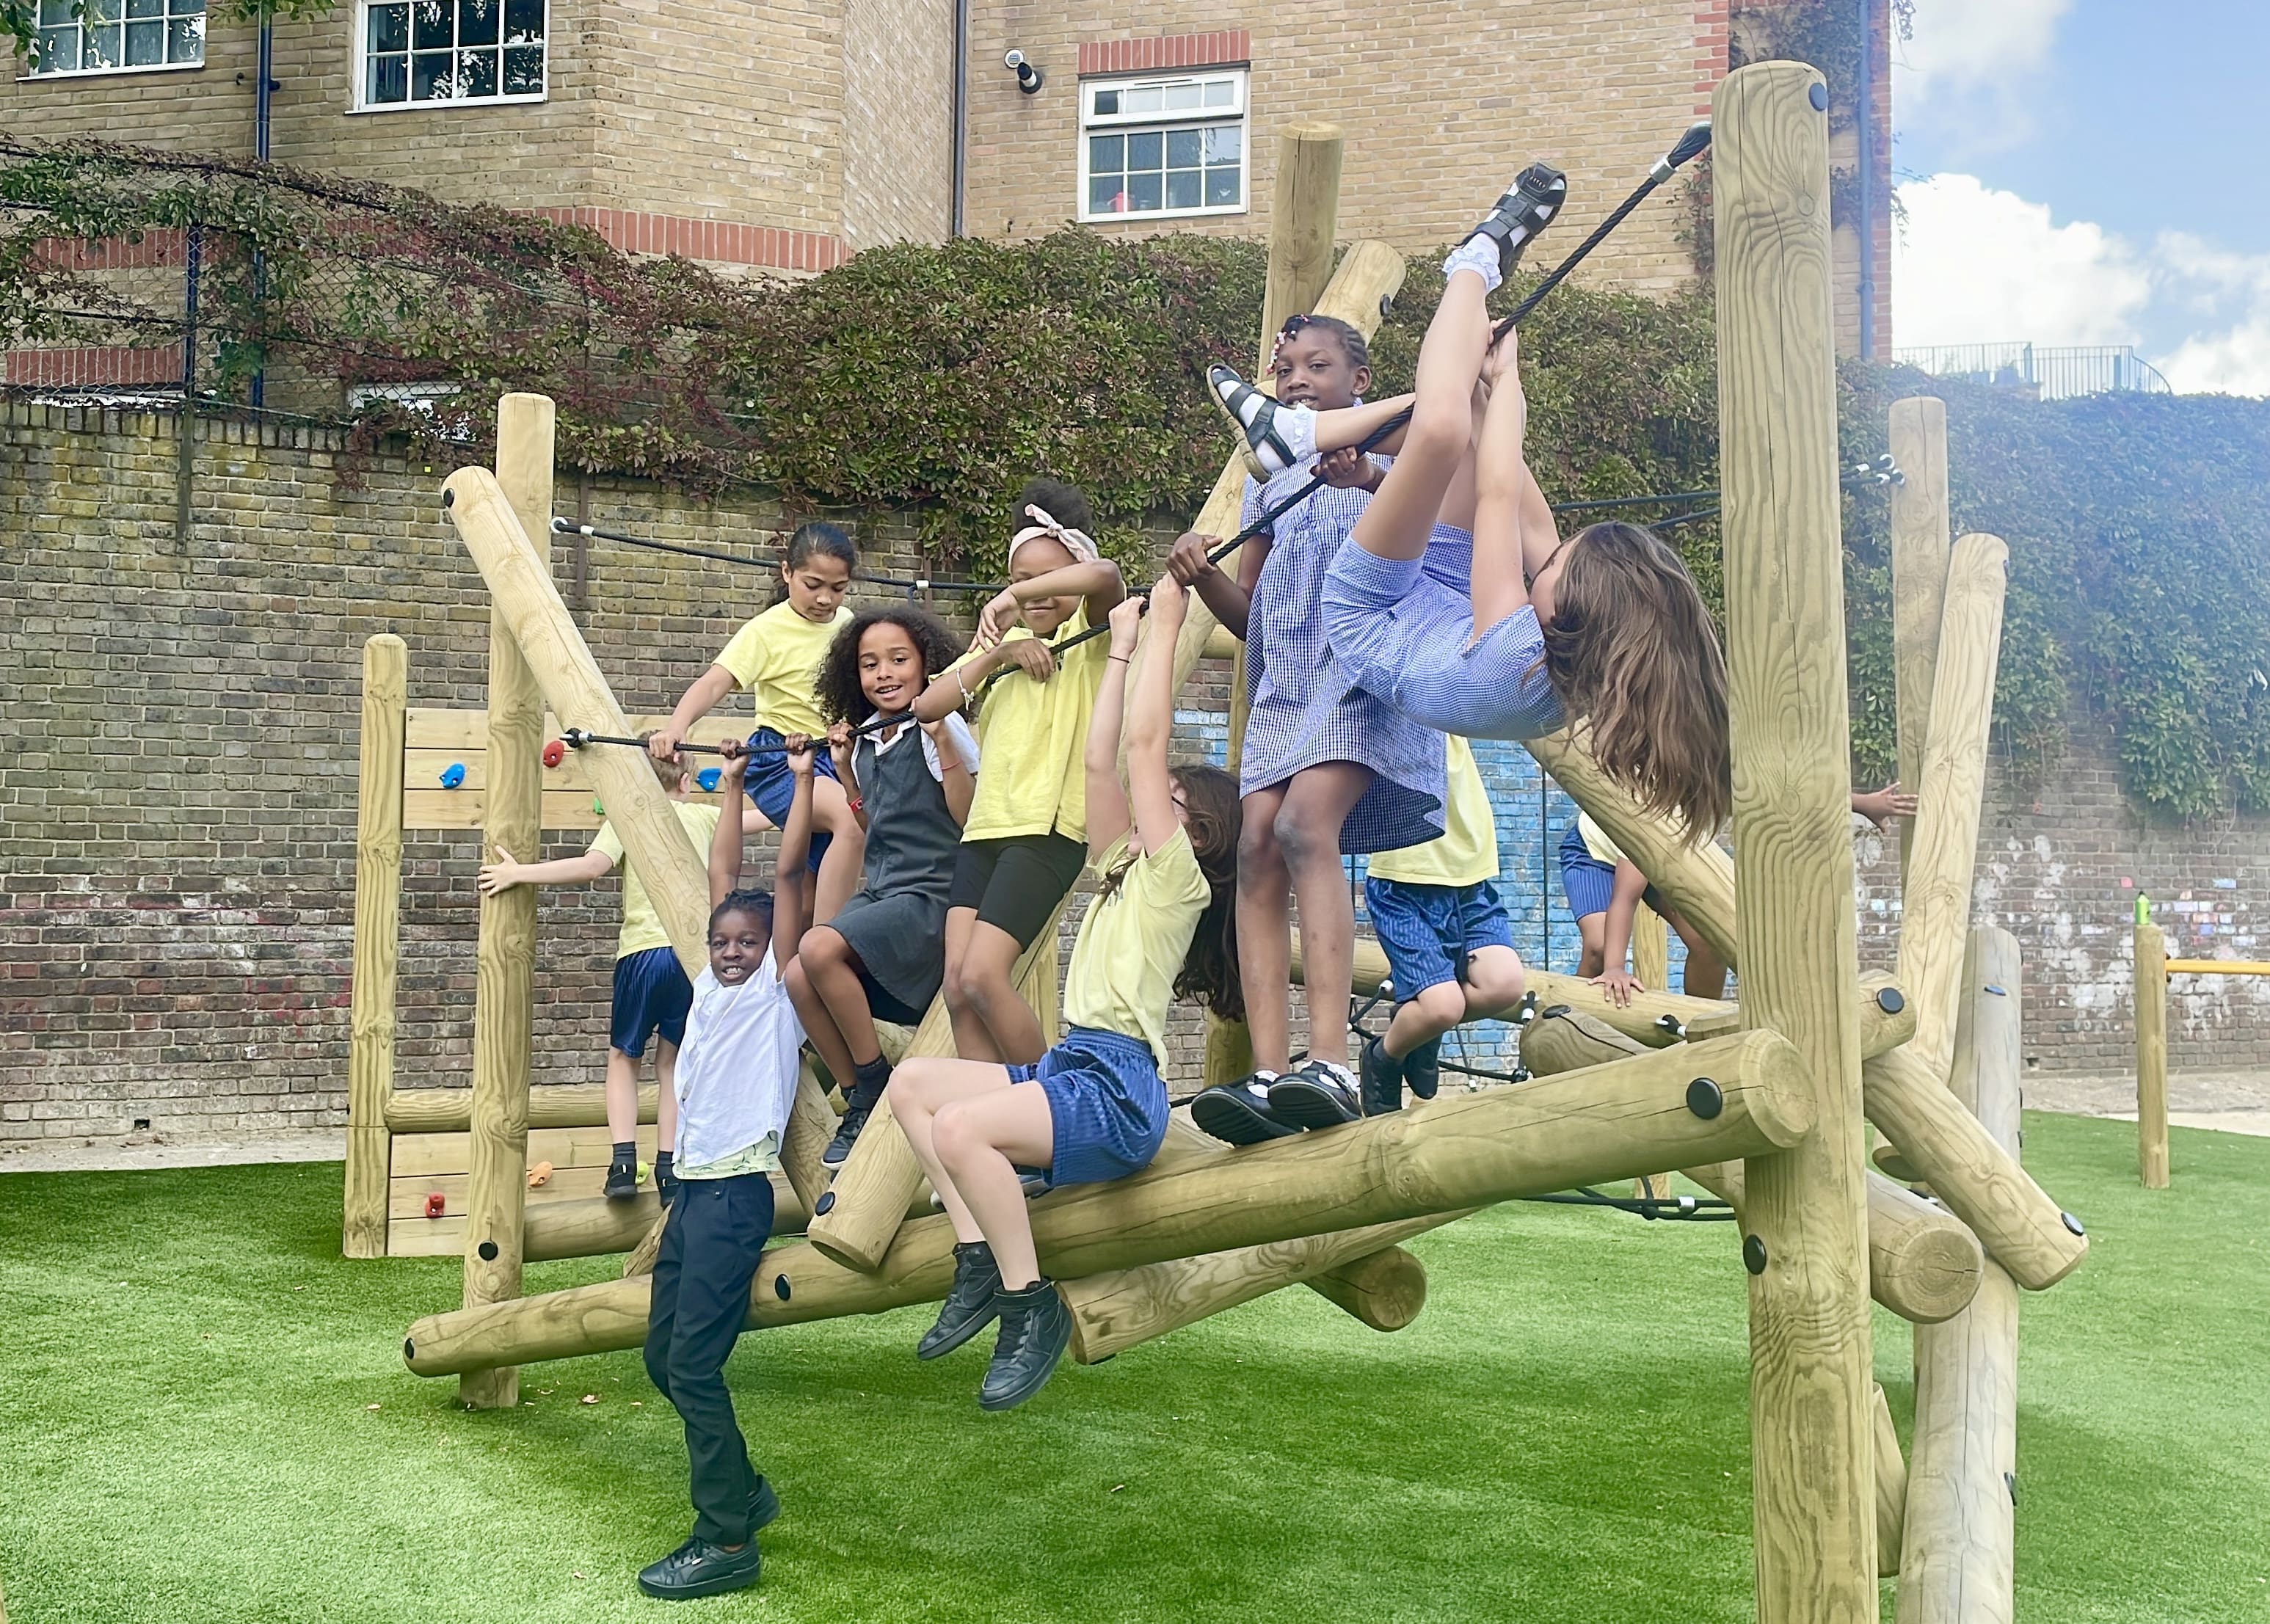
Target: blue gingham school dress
<point>1303,706</point>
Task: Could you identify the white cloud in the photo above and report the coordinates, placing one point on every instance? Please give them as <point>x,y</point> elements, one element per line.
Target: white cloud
<point>1971,68</point>
<point>1974,265</point>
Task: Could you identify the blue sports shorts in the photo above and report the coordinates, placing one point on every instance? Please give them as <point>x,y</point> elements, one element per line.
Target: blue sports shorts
<point>1430,932</point>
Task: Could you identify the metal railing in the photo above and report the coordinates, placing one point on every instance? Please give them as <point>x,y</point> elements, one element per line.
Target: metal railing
<point>2052,373</point>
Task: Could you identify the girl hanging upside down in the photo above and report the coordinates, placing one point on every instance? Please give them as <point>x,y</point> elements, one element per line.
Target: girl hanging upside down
<point>1456,599</point>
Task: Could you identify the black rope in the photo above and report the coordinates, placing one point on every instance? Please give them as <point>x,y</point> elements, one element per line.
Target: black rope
<point>1676,1209</point>
<point>569,527</point>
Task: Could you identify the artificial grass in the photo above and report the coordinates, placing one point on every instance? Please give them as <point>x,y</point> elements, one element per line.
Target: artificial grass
<point>204,1416</point>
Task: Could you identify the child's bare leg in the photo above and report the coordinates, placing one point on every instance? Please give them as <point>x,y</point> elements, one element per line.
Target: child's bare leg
<point>1592,930</point>
<point>1706,971</point>
<point>1264,931</point>
<point>979,1142</point>
<point>828,973</point>
<point>982,992</point>
<point>846,849</point>
<point>1433,1012</point>
<point>1402,514</point>
<point>1308,828</point>
<point>622,1096</point>
<point>665,1109</point>
<point>1493,981</point>
<point>920,1089</point>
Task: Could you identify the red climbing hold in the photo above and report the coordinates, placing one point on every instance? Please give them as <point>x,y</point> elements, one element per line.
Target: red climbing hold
<point>555,754</point>
<point>434,1203</point>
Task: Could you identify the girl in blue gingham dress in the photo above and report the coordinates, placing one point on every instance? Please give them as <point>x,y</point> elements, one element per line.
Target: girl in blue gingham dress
<point>1328,767</point>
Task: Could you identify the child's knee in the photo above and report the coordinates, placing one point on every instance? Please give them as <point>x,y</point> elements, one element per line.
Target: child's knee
<point>1441,1005</point>
<point>1495,978</point>
<point>1306,836</point>
<point>955,1136</point>
<point>821,949</point>
<point>1256,849</point>
<point>972,989</point>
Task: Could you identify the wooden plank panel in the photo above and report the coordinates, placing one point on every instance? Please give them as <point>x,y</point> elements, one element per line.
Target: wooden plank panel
<point>377,944</point>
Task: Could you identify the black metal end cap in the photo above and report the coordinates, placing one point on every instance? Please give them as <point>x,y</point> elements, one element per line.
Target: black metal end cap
<point>1553,1011</point>
<point>2072,1223</point>
<point>488,1252</point>
<point>1891,1000</point>
<point>826,1204</point>
<point>1753,1254</point>
<point>448,499</point>
<point>409,1349</point>
<point>781,1287</point>
<point>1704,1098</point>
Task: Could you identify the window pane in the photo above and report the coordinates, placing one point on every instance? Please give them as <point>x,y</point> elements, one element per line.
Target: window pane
<point>102,48</point>
<point>145,8</point>
<point>1182,189</point>
<point>477,22</point>
<point>1142,151</point>
<point>477,73</point>
<point>1181,96</point>
<point>1107,101</point>
<point>1222,93</point>
<point>1223,142</point>
<point>55,14</point>
<point>186,8</point>
<point>523,70</point>
<point>1106,153</point>
<point>430,26</point>
<point>1143,192</point>
<point>1221,187</point>
<point>388,28</point>
<point>103,12</point>
<point>429,76</point>
<point>1104,196</point>
<point>1143,99</point>
<point>145,44</point>
<point>185,40</point>
<point>389,79</point>
<point>523,22</point>
<point>57,51</point>
<point>1182,149</point>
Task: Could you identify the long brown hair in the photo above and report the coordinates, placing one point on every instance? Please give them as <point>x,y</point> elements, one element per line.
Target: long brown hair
<point>1211,818</point>
<point>1631,646</point>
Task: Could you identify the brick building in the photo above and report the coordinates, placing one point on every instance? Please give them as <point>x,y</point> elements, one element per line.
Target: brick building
<point>786,134</point>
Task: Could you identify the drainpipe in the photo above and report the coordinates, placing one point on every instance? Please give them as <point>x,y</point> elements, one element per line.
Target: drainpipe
<point>960,110</point>
<point>1868,188</point>
<point>262,120</point>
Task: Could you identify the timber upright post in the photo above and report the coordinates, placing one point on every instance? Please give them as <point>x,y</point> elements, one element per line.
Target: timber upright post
<point>1921,536</point>
<point>1806,1208</point>
<point>504,1000</point>
<point>377,943</point>
<point>2151,1049</point>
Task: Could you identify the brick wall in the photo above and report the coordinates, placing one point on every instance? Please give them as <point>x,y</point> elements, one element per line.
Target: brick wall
<point>898,121</point>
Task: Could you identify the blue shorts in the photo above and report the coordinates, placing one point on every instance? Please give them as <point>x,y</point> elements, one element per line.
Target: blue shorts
<point>773,787</point>
<point>651,995</point>
<point>1430,932</point>
<point>1402,632</point>
<point>1107,1105</point>
<point>1591,884</point>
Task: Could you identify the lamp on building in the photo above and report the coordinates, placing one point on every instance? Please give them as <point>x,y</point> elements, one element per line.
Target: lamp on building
<point>1029,78</point>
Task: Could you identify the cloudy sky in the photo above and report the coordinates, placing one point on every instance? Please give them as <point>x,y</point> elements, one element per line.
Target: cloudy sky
<point>2088,171</point>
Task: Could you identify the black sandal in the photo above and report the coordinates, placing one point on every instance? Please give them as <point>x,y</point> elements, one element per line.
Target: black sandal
<point>1538,193</point>
<point>1267,452</point>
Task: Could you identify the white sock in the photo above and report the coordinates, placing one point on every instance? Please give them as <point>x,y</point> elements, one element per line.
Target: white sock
<point>1478,254</point>
<point>1296,426</point>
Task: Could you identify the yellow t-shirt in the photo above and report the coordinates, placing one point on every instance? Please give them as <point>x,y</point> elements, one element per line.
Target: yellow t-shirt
<point>1132,943</point>
<point>1597,842</point>
<point>1035,736</point>
<point>774,656</point>
<point>1467,853</point>
<point>641,925</point>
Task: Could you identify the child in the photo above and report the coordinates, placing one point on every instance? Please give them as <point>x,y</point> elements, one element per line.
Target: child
<point>774,656</point>
<point>651,992</point>
<point>1094,1107</point>
<point>1449,952</point>
<point>1027,839</point>
<point>735,1081</point>
<point>1455,598</point>
<point>883,955</point>
<point>1327,766</point>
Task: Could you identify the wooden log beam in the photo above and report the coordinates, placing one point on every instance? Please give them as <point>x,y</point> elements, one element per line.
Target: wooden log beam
<point>1924,1265</point>
<point>1642,1018</point>
<point>598,1227</point>
<point>1920,536</point>
<point>2151,1053</point>
<point>1959,1541</point>
<point>522,590</point>
<point>377,944</point>
<point>1891,1487</point>
<point>1806,1209</point>
<point>1936,925</point>
<point>551,1105</point>
<point>811,1125</point>
<point>504,995</point>
<point>1443,1155</point>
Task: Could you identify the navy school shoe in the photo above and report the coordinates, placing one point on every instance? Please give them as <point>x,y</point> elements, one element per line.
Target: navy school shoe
<point>1423,1069</point>
<point>699,1569</point>
<point>1035,1329</point>
<point>1317,1094</point>
<point>971,1303</point>
<point>1381,1079</point>
<point>1239,1113</point>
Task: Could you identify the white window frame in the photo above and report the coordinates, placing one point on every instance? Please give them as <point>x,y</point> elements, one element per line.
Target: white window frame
<point>362,55</point>
<point>1091,124</point>
<point>165,19</point>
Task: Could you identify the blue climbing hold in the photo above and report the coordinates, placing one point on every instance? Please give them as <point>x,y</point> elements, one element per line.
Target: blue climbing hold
<point>453,775</point>
<point>708,778</point>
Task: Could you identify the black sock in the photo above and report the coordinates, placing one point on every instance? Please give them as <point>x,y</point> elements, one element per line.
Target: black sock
<point>868,1078</point>
<point>663,1162</point>
<point>627,1150</point>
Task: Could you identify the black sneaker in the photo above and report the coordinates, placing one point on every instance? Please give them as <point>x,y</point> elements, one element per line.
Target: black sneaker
<point>665,1178</point>
<point>1269,450</point>
<point>1423,1067</point>
<point>699,1569</point>
<point>1036,1327</point>
<point>764,1505</point>
<point>1538,193</point>
<point>1238,1112</point>
<point>1318,1094</point>
<point>622,1179</point>
<point>970,1305</point>
<point>1382,1080</point>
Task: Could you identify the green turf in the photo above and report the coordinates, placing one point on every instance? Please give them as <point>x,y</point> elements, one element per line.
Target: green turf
<point>204,1416</point>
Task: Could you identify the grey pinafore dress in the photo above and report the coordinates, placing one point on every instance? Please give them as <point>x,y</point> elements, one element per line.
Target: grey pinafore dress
<point>896,920</point>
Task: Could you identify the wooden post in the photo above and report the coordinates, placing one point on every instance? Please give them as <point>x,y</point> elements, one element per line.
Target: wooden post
<point>504,998</point>
<point>1960,1533</point>
<point>1935,926</point>
<point>377,943</point>
<point>1891,1486</point>
<point>1812,1436</point>
<point>1454,1151</point>
<point>520,587</point>
<point>2151,1049</point>
<point>1650,949</point>
<point>1920,532</point>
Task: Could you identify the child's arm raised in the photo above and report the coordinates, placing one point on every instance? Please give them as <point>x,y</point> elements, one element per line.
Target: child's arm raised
<point>1107,799</point>
<point>1231,598</point>
<point>1615,933</point>
<point>508,870</point>
<point>708,689</point>
<point>962,683</point>
<point>728,840</point>
<point>844,753</point>
<point>1151,720</point>
<point>1098,582</point>
<point>792,870</point>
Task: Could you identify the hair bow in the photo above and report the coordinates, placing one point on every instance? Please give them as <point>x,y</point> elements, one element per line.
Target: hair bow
<point>1076,542</point>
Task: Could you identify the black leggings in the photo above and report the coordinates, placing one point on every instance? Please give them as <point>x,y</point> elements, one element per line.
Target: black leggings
<point>1015,883</point>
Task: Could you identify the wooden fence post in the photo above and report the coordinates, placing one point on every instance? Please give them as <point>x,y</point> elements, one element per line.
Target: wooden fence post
<point>2151,1049</point>
<point>377,943</point>
<point>1921,531</point>
<point>1805,1241</point>
<point>504,1000</point>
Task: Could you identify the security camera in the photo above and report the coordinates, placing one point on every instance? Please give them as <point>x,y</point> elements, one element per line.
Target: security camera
<point>1029,78</point>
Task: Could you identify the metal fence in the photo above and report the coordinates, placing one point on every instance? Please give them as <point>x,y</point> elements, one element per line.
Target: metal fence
<point>2050,374</point>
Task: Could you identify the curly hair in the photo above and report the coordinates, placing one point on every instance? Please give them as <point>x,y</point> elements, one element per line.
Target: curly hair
<point>748,900</point>
<point>1066,504</point>
<point>835,685</point>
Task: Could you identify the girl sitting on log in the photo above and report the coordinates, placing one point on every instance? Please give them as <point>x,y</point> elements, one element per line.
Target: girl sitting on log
<point>909,784</point>
<point>1456,599</point>
<point>1163,924</point>
<point>1026,838</point>
<point>737,1075</point>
